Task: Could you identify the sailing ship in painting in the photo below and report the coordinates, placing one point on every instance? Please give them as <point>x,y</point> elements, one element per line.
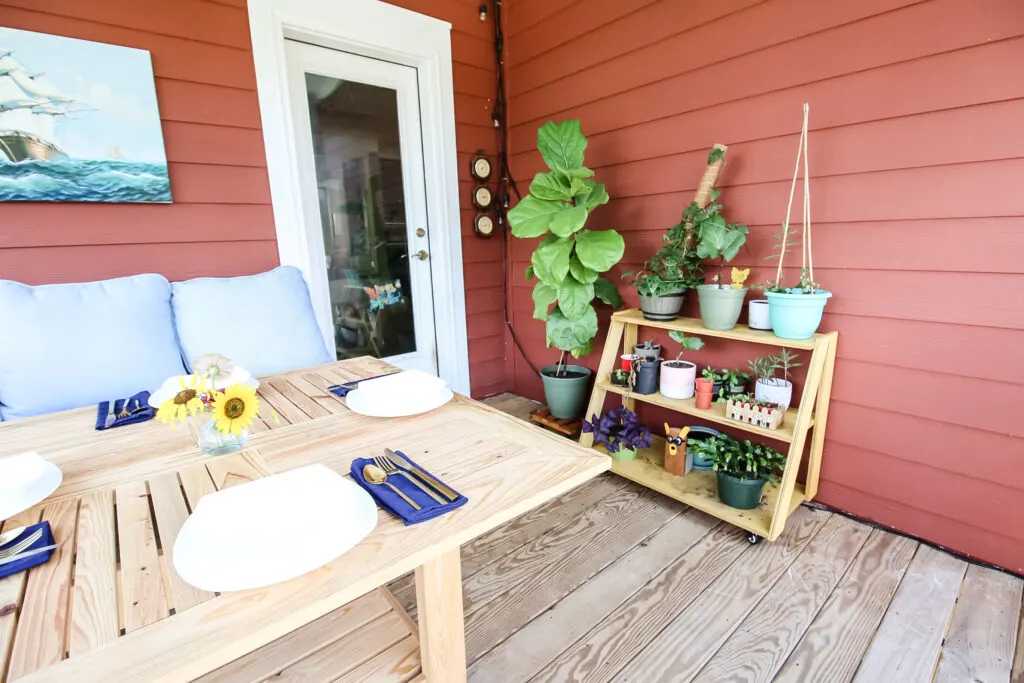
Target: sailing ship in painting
<point>28,106</point>
<point>35,113</point>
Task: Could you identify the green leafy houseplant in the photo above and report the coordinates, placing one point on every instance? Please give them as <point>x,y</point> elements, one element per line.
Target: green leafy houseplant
<point>741,467</point>
<point>570,259</point>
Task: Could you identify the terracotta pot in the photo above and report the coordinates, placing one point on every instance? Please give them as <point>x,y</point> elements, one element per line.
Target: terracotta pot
<point>704,386</point>
<point>704,400</point>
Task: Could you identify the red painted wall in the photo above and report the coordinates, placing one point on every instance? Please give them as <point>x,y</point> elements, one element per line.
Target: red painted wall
<point>221,223</point>
<point>917,163</point>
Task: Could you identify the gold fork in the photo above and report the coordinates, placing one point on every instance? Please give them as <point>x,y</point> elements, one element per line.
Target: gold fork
<point>390,468</point>
<point>21,545</point>
<point>124,408</point>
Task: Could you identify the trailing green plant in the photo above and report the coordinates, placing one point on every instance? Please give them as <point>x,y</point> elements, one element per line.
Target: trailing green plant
<point>569,260</point>
<point>710,374</point>
<point>740,459</point>
<point>736,376</point>
<point>685,343</point>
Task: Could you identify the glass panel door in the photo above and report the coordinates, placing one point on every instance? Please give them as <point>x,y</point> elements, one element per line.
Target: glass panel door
<point>364,161</point>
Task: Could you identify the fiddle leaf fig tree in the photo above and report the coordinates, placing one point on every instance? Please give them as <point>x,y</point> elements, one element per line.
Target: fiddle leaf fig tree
<point>569,260</point>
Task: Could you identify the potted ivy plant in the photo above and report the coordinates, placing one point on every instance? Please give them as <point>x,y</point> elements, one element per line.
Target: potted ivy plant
<point>568,261</point>
<point>770,388</point>
<point>741,468</point>
<point>795,312</point>
<point>665,277</point>
<point>619,431</point>
<point>678,376</point>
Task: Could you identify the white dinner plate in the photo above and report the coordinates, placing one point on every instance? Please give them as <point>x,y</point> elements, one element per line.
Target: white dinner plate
<point>272,529</point>
<point>44,481</point>
<point>396,407</point>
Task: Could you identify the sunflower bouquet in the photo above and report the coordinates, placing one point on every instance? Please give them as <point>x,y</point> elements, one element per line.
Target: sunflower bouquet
<point>218,393</point>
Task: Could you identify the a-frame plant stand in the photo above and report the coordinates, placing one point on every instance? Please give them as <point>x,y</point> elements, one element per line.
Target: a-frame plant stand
<point>698,489</point>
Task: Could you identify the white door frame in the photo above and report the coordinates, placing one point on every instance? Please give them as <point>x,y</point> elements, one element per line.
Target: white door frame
<point>373,29</point>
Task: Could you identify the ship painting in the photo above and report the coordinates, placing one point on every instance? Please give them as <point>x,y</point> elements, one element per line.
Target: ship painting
<point>78,122</point>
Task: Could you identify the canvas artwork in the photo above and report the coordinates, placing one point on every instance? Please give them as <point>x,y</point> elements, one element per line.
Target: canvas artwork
<point>78,122</point>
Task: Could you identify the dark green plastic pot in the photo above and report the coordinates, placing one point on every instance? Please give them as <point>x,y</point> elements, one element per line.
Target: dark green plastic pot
<point>565,395</point>
<point>742,494</point>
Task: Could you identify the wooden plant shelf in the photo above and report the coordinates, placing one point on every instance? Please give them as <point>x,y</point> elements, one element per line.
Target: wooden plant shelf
<point>698,489</point>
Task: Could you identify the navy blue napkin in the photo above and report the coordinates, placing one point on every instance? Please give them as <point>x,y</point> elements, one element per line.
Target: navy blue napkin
<point>341,390</point>
<point>32,560</point>
<point>393,503</point>
<point>138,405</point>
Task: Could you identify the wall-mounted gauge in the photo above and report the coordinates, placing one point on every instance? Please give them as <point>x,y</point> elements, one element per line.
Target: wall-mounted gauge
<point>482,197</point>
<point>484,225</point>
<point>481,167</point>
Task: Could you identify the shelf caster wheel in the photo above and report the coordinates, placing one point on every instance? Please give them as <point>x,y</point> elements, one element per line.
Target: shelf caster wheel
<point>754,539</point>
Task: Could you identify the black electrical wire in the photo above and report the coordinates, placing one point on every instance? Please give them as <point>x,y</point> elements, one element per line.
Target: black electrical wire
<point>499,114</point>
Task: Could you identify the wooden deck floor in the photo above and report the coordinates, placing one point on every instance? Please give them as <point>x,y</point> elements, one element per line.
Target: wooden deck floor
<point>612,582</point>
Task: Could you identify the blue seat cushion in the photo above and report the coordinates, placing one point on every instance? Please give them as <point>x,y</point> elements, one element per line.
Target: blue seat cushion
<point>72,345</point>
<point>264,323</point>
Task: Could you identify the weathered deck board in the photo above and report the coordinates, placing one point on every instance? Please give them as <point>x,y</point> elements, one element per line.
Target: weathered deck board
<point>979,645</point>
<point>909,640</point>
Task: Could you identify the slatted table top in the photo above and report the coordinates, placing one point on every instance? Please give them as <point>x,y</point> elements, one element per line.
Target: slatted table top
<point>109,607</point>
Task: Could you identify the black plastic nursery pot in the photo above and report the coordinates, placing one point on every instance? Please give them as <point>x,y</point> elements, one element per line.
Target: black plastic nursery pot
<point>647,377</point>
<point>742,494</point>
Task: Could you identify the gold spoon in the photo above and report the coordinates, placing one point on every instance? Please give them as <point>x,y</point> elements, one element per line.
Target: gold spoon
<point>375,475</point>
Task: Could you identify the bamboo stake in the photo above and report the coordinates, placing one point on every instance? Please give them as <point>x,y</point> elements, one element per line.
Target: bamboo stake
<point>807,195</point>
<point>789,209</point>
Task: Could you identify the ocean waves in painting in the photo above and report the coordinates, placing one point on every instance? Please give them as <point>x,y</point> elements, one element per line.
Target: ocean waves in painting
<point>83,180</point>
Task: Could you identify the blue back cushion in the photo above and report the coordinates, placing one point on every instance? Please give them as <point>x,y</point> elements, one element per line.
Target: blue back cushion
<point>264,322</point>
<point>72,345</point>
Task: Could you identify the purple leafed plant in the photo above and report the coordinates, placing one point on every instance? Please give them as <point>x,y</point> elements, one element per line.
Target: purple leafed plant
<point>618,430</point>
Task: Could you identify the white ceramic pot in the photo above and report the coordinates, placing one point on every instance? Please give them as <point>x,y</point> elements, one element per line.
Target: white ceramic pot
<point>758,317</point>
<point>774,391</point>
<point>677,378</point>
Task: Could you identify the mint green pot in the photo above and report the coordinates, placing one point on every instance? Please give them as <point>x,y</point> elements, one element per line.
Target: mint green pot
<point>720,308</point>
<point>565,395</point>
<point>795,315</point>
<point>625,454</point>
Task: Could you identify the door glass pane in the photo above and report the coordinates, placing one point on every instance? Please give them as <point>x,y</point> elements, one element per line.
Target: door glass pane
<point>359,179</point>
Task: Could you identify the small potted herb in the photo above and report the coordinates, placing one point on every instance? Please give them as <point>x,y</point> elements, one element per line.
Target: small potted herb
<point>734,381</point>
<point>678,376</point>
<point>715,377</point>
<point>742,468</point>
<point>619,431</point>
<point>648,350</point>
<point>769,387</point>
<point>796,312</point>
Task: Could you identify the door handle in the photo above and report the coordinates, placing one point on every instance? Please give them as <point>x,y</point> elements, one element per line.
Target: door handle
<point>422,255</point>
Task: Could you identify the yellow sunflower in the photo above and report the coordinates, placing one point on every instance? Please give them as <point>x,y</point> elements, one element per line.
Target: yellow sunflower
<point>185,402</point>
<point>235,408</point>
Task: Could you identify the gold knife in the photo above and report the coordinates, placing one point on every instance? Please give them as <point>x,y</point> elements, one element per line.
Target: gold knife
<point>405,464</point>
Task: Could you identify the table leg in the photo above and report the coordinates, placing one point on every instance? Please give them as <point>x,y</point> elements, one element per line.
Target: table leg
<point>439,611</point>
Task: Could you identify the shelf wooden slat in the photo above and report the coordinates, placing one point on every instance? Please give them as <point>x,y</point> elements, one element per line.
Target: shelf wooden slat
<point>634,316</point>
<point>699,489</point>
<point>716,413</point>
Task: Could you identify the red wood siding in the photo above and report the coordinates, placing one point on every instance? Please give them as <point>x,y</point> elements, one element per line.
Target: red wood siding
<point>917,158</point>
<point>206,89</point>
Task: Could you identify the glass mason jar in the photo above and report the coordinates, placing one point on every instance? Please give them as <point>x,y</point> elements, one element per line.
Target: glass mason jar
<point>213,442</point>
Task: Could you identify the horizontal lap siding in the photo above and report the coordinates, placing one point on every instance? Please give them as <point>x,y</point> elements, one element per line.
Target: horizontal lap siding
<point>206,91</point>
<point>917,123</point>
<point>221,220</point>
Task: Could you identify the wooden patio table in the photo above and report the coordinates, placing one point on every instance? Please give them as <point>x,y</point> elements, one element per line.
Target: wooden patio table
<point>108,606</point>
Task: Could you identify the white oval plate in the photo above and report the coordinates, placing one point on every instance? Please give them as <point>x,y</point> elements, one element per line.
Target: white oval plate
<point>42,487</point>
<point>272,529</point>
<point>363,405</point>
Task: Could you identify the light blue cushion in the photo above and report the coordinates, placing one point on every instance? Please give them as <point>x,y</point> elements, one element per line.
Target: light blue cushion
<point>264,322</point>
<point>73,345</point>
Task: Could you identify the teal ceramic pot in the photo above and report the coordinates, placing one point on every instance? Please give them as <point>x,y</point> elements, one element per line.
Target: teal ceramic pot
<point>795,315</point>
<point>565,394</point>
<point>720,308</point>
<point>742,494</point>
<point>625,454</point>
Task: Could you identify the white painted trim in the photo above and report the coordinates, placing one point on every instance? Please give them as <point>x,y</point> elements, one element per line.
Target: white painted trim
<point>374,29</point>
